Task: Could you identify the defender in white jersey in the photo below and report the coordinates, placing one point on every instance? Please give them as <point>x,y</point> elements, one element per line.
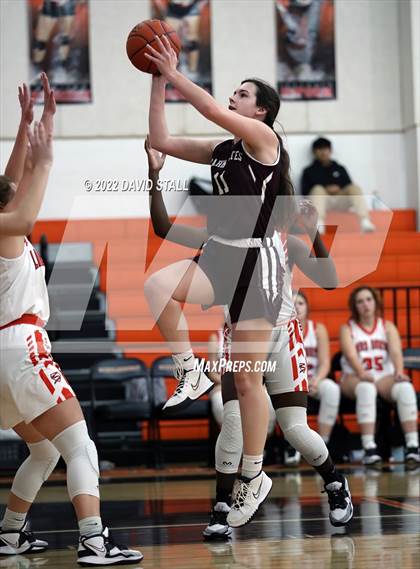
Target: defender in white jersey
<point>372,364</point>
<point>35,398</point>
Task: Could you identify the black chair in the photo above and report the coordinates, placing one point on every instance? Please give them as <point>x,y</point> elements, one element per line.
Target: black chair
<point>117,418</point>
<point>161,373</point>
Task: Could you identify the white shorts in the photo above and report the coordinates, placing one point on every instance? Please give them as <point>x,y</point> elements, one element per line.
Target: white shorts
<point>30,381</point>
<point>288,354</point>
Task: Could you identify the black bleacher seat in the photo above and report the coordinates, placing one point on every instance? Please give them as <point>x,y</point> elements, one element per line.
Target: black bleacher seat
<point>118,419</point>
<point>160,371</point>
<point>69,324</point>
<point>72,354</point>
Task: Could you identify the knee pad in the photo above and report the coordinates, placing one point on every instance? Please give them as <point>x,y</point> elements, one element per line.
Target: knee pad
<point>81,457</point>
<point>37,468</point>
<point>329,397</point>
<point>293,423</point>
<point>229,442</point>
<point>365,402</point>
<point>404,395</point>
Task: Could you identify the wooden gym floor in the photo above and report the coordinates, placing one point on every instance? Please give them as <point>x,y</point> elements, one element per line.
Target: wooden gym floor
<point>163,513</point>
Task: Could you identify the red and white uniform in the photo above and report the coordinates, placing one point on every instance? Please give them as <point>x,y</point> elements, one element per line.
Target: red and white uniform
<point>287,349</point>
<point>311,348</point>
<point>30,381</point>
<point>372,350</point>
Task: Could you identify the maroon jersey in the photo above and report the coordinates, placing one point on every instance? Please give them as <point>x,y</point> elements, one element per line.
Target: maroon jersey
<point>235,173</point>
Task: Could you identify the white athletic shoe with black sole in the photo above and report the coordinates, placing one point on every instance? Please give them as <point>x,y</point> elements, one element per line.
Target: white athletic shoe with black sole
<point>339,499</point>
<point>247,497</point>
<point>192,385</point>
<point>15,542</point>
<point>218,527</point>
<point>98,550</point>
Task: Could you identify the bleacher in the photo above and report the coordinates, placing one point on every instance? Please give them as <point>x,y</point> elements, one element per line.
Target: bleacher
<point>104,264</point>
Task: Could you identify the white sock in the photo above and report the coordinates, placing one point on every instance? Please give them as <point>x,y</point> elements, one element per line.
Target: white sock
<point>368,441</point>
<point>251,465</point>
<point>184,360</point>
<point>412,439</point>
<point>13,520</point>
<point>90,526</point>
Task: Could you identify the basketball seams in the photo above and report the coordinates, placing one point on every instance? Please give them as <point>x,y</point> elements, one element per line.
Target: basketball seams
<point>137,57</point>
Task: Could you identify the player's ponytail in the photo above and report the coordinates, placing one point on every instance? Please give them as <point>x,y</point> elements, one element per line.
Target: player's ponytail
<point>285,208</point>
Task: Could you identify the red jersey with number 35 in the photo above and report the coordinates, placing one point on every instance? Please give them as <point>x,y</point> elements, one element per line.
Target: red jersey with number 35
<point>23,289</point>
<point>372,349</point>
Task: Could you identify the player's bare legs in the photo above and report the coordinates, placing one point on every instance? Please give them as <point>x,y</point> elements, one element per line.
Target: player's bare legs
<point>250,342</point>
<point>249,384</point>
<point>166,289</point>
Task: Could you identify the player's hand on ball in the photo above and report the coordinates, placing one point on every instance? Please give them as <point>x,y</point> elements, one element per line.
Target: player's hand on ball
<point>166,60</point>
<point>26,104</point>
<point>156,159</point>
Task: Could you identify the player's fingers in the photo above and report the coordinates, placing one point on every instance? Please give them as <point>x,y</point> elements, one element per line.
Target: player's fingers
<point>163,157</point>
<point>163,47</point>
<point>167,43</point>
<point>42,134</point>
<point>153,51</point>
<point>30,135</point>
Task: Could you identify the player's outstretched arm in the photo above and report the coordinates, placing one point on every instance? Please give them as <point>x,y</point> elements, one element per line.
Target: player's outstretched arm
<point>255,133</point>
<point>162,225</point>
<point>19,222</point>
<point>15,165</point>
<point>319,267</point>
<point>191,149</point>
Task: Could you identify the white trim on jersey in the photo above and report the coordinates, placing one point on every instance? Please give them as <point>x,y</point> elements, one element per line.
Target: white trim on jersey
<point>258,161</point>
<point>266,181</point>
<point>252,173</point>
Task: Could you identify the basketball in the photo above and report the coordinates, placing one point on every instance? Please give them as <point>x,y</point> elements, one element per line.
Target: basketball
<point>145,34</point>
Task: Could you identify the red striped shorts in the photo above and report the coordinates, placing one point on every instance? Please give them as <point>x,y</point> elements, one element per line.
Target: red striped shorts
<point>31,382</point>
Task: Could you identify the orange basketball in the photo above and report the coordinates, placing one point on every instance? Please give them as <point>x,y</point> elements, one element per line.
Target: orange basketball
<point>145,34</point>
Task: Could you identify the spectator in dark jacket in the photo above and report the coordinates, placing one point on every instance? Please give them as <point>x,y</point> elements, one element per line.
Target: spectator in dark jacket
<point>329,186</point>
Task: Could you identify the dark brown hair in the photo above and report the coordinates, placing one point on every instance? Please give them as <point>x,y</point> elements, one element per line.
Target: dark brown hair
<point>267,97</point>
<point>6,191</point>
<point>376,296</point>
<point>305,298</point>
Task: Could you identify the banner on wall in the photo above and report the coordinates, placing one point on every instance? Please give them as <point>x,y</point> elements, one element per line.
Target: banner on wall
<point>191,21</point>
<point>305,49</point>
<point>59,45</point>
